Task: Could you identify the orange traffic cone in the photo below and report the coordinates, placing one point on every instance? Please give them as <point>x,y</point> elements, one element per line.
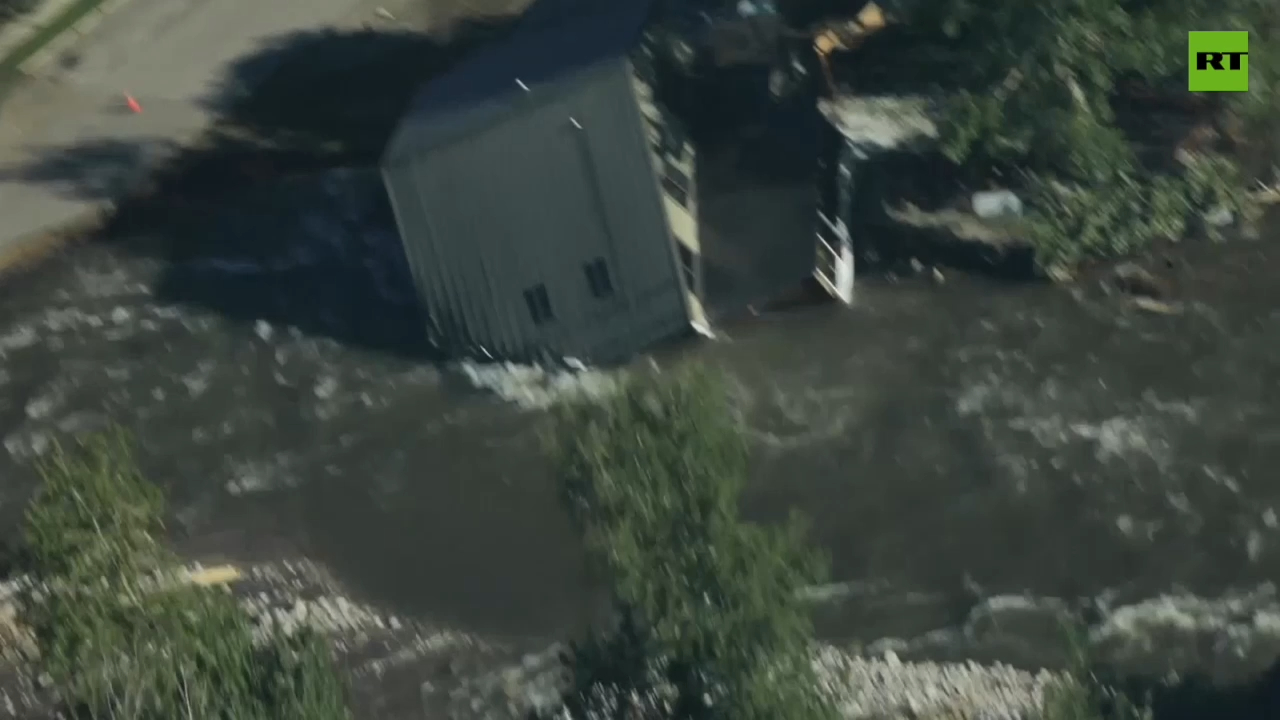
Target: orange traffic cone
<point>134,105</point>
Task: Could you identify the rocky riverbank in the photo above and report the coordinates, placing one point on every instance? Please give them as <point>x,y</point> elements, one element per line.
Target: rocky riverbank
<point>400,667</point>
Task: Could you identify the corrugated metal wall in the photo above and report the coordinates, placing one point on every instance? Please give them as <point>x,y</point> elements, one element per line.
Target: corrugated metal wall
<point>530,202</point>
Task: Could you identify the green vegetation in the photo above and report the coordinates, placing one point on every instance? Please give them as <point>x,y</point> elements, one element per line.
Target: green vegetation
<point>121,637</point>
<point>708,620</point>
<point>1045,93</point>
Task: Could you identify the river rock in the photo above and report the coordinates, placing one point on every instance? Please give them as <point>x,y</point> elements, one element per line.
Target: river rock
<point>1219,217</point>
<point>990,204</point>
<point>1132,279</point>
<point>1155,306</point>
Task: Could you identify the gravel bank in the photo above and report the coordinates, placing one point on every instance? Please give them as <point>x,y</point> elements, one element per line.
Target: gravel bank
<point>400,667</point>
<point>863,688</point>
<point>888,688</point>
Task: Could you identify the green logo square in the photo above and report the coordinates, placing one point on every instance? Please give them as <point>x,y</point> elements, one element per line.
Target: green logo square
<point>1218,61</point>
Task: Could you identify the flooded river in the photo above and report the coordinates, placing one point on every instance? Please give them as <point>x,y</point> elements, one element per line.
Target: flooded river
<point>971,456</point>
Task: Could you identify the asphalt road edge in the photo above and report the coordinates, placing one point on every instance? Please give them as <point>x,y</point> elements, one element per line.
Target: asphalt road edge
<point>26,46</point>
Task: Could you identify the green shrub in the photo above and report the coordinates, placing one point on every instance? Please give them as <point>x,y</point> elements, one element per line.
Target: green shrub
<point>709,623</point>
<point>121,637</point>
<point>1120,214</point>
<point>1036,85</point>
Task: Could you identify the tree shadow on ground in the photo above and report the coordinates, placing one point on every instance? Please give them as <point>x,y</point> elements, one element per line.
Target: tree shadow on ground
<point>321,255</point>
<point>317,255</point>
<point>98,169</point>
<point>301,102</point>
<point>247,221</point>
<point>315,100</point>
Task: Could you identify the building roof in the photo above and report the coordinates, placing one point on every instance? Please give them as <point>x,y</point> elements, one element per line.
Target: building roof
<point>557,40</point>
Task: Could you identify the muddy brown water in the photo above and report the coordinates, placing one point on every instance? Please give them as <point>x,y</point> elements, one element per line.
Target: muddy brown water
<point>971,455</point>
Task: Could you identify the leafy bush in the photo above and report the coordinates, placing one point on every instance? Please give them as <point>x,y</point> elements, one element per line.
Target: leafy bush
<point>121,637</point>
<point>1120,214</point>
<point>1038,81</point>
<point>708,620</point>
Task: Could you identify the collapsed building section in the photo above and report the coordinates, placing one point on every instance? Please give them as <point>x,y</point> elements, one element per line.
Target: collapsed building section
<point>860,136</point>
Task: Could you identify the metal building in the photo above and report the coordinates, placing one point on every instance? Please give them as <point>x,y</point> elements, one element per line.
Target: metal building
<point>546,199</point>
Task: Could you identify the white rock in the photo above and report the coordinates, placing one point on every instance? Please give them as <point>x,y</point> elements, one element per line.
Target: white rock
<point>990,204</point>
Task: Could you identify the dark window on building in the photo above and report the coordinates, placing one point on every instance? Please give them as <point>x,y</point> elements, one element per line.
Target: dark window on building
<point>675,182</point>
<point>675,192</point>
<point>598,280</point>
<point>688,270</point>
<point>539,304</point>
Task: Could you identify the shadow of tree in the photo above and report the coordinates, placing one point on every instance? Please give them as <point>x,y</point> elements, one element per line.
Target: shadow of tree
<point>318,255</point>
<point>315,100</point>
<point>333,95</point>
<point>98,169</point>
<point>248,222</point>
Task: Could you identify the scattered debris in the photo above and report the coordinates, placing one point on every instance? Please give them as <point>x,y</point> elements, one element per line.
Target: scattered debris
<point>989,204</point>
<point>1133,279</point>
<point>534,387</point>
<point>1059,274</point>
<point>882,122</point>
<point>1156,306</point>
<point>1219,217</point>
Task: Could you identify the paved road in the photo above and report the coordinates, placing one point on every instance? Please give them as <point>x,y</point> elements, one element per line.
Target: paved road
<point>67,143</point>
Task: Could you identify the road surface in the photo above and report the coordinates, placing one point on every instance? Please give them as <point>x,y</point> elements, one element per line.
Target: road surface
<point>68,142</point>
